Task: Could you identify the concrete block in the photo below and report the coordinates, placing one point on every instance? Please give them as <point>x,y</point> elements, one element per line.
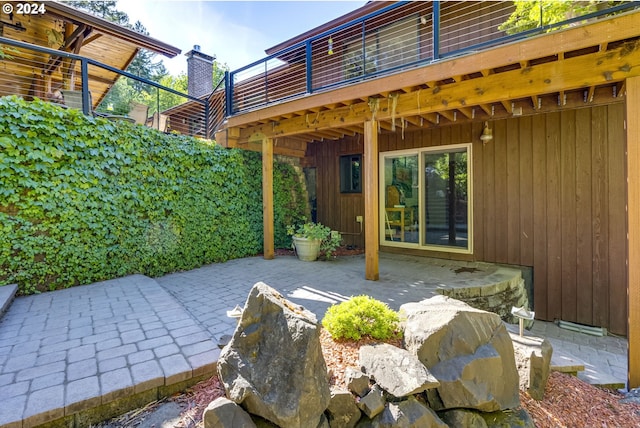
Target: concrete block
<point>37,371</point>
<point>176,369</point>
<point>81,353</point>
<point>82,369</point>
<point>14,390</point>
<point>147,375</point>
<point>204,363</point>
<point>115,384</point>
<point>82,394</point>
<point>120,351</point>
<point>11,411</point>
<point>112,364</point>
<point>166,350</point>
<point>7,294</point>
<point>44,405</point>
<point>47,381</point>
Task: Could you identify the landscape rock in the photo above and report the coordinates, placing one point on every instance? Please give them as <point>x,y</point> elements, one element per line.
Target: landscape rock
<point>468,350</point>
<point>357,382</point>
<point>509,419</point>
<point>273,365</point>
<point>342,411</point>
<point>373,403</point>
<point>224,413</point>
<point>533,360</point>
<point>463,418</point>
<point>396,370</point>
<point>409,413</point>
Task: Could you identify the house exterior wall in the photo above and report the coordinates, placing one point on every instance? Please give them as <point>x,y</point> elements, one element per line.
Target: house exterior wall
<point>548,192</point>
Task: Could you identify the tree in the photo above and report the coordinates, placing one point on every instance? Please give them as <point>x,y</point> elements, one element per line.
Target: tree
<point>143,64</point>
<point>529,15</point>
<point>105,9</point>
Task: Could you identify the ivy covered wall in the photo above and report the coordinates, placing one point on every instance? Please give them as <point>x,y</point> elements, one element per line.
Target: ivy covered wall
<point>84,199</point>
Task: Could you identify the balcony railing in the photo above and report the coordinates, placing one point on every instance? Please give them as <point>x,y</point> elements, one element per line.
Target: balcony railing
<point>399,36</point>
<point>78,82</point>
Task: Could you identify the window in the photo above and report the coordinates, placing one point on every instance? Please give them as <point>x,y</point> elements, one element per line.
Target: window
<point>350,174</point>
<point>425,198</point>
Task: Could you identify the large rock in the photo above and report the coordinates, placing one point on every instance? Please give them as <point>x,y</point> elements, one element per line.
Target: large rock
<point>468,350</point>
<point>357,382</point>
<point>509,419</point>
<point>342,411</point>
<point>463,418</point>
<point>533,359</point>
<point>407,414</point>
<point>224,413</point>
<point>273,365</point>
<point>396,370</point>
<point>373,403</point>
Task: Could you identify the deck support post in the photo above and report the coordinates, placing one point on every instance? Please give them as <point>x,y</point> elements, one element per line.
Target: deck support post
<point>371,203</point>
<point>267,197</point>
<point>633,223</point>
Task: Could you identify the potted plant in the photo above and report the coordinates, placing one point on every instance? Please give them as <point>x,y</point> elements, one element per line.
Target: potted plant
<point>312,239</point>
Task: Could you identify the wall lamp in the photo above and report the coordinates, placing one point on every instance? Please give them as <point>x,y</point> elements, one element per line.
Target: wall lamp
<point>487,133</point>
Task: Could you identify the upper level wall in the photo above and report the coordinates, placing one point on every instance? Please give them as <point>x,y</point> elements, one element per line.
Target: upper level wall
<point>548,192</point>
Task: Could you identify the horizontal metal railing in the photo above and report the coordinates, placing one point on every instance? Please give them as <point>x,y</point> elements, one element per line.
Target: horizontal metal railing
<point>399,36</point>
<point>74,81</point>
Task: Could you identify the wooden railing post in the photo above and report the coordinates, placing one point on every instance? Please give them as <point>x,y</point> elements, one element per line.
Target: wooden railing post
<point>633,222</point>
<point>371,205</point>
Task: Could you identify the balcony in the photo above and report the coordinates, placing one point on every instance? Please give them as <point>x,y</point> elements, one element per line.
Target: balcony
<point>98,89</point>
<point>394,38</point>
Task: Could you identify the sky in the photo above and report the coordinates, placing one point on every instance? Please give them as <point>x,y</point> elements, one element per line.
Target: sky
<point>236,32</point>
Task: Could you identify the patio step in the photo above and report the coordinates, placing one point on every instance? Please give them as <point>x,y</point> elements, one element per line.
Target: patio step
<point>7,293</point>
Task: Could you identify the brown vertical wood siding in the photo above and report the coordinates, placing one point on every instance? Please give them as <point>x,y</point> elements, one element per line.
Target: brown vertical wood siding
<point>549,192</point>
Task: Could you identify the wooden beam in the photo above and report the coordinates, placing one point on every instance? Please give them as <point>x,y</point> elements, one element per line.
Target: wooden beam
<point>486,108</point>
<point>592,90</point>
<point>468,112</point>
<point>450,115</point>
<point>633,235</point>
<point>371,203</point>
<point>267,198</point>
<point>616,28</point>
<point>574,73</point>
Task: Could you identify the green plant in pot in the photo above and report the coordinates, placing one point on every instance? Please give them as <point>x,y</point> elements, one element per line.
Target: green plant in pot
<point>310,240</point>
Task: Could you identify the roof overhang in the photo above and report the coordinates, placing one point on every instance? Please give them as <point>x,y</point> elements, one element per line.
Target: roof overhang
<point>106,27</point>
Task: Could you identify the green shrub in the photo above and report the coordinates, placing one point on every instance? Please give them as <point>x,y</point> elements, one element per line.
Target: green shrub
<point>361,316</point>
<point>83,199</point>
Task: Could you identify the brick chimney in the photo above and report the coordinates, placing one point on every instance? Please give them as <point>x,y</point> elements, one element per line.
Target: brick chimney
<point>199,72</point>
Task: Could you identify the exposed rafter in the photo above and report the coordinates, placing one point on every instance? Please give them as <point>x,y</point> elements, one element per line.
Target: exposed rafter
<point>593,69</point>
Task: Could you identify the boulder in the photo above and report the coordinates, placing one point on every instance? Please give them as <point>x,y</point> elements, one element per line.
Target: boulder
<point>342,411</point>
<point>273,365</point>
<point>373,403</point>
<point>533,359</point>
<point>396,370</point>
<point>357,382</point>
<point>407,414</point>
<point>463,418</point>
<point>224,413</point>
<point>509,419</point>
<point>468,350</point>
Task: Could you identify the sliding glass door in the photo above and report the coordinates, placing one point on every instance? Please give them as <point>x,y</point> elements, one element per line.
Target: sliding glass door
<point>425,198</point>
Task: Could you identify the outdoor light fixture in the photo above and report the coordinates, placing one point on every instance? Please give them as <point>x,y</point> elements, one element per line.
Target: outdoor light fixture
<point>487,133</point>
<point>522,314</point>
